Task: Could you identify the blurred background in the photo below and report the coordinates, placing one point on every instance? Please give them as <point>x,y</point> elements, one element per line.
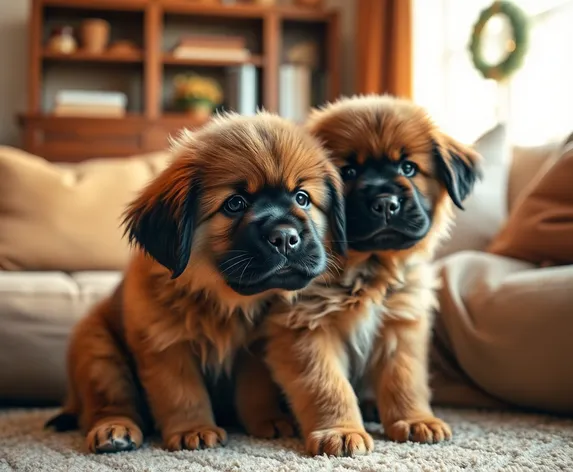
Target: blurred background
<point>415,48</point>
<point>535,101</point>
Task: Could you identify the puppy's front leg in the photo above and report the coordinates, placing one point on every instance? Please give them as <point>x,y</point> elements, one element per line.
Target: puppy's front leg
<point>401,379</point>
<point>310,367</point>
<point>258,398</point>
<point>178,398</point>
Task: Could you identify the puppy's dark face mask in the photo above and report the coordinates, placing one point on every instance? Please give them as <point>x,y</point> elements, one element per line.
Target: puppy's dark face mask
<point>396,167</point>
<point>256,197</point>
<point>275,240</point>
<point>386,209</point>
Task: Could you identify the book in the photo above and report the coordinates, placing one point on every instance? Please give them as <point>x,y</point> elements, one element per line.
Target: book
<point>295,91</point>
<point>239,55</point>
<point>90,97</point>
<point>213,41</point>
<point>242,89</point>
<point>89,111</point>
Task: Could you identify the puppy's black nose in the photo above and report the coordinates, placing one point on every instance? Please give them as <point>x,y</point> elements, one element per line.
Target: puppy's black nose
<point>385,205</point>
<point>285,238</point>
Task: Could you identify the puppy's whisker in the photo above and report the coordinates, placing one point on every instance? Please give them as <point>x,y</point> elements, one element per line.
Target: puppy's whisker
<point>326,282</point>
<point>306,267</point>
<point>331,264</point>
<point>226,271</point>
<point>247,265</point>
<point>233,258</point>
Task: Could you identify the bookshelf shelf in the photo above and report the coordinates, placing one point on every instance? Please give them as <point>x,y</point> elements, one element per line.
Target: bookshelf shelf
<point>189,121</point>
<point>304,14</point>
<point>243,11</point>
<point>44,117</point>
<point>185,7</point>
<point>169,59</point>
<point>80,56</point>
<point>157,27</point>
<point>113,5</point>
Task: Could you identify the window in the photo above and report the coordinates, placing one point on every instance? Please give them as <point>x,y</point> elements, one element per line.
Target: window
<point>537,101</point>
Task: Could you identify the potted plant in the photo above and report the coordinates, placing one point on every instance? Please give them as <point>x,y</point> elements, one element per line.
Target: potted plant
<point>197,95</point>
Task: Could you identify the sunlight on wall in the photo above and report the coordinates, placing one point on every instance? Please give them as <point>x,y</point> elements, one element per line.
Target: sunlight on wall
<point>538,100</point>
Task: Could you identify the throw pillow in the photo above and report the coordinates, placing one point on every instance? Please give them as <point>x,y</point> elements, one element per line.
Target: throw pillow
<point>540,229</point>
<point>486,208</point>
<point>67,216</point>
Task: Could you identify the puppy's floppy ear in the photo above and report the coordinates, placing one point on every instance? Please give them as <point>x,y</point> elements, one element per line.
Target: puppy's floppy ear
<point>336,215</point>
<point>458,167</point>
<point>162,219</point>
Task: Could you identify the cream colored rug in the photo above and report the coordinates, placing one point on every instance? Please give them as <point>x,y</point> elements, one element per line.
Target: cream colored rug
<point>482,441</point>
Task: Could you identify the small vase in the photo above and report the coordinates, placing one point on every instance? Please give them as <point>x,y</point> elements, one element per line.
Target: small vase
<point>200,111</point>
<point>95,35</point>
<point>62,40</point>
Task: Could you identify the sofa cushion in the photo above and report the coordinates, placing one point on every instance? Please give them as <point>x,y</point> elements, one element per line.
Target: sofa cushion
<point>540,229</point>
<point>526,163</point>
<point>67,216</point>
<point>486,208</point>
<point>37,312</point>
<point>508,325</point>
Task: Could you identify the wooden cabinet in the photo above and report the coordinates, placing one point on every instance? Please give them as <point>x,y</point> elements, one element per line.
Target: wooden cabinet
<point>145,73</point>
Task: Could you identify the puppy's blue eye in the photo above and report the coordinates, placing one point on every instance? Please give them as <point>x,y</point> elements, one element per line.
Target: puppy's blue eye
<point>302,199</point>
<point>408,168</point>
<point>235,204</point>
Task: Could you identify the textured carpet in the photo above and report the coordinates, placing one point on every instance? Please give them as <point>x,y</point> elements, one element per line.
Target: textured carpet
<point>482,441</point>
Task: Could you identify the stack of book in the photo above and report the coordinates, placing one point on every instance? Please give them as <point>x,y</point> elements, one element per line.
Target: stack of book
<point>300,89</point>
<point>87,103</point>
<point>223,48</point>
<point>242,89</point>
<point>295,91</point>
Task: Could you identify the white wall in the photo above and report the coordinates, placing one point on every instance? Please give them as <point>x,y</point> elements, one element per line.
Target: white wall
<point>535,103</point>
<point>13,66</point>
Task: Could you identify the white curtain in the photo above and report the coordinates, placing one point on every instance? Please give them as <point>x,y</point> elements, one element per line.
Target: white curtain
<point>536,103</point>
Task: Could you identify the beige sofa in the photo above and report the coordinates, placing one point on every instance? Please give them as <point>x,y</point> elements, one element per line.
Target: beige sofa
<point>54,270</point>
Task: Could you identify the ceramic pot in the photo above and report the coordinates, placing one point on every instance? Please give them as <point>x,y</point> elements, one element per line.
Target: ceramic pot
<point>62,40</point>
<point>95,35</point>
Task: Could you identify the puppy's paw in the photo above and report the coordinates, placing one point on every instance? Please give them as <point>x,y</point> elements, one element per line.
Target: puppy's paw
<point>115,435</point>
<point>200,437</point>
<point>425,430</point>
<point>279,427</point>
<point>340,442</point>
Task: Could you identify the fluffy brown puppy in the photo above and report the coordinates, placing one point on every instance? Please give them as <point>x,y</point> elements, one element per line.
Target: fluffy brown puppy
<point>367,328</point>
<point>236,220</point>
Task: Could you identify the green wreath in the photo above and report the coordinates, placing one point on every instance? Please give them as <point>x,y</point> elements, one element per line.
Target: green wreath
<point>517,48</point>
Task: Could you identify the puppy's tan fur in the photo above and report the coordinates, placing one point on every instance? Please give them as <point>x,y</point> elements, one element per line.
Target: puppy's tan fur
<point>165,332</point>
<point>368,327</point>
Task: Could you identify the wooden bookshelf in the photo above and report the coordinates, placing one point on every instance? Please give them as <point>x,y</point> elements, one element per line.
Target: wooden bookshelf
<point>147,71</point>
<point>82,56</point>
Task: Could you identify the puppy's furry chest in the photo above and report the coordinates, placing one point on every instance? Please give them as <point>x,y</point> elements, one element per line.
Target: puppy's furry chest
<point>216,342</point>
<point>363,339</point>
<point>354,316</point>
<point>356,308</point>
<point>214,333</point>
